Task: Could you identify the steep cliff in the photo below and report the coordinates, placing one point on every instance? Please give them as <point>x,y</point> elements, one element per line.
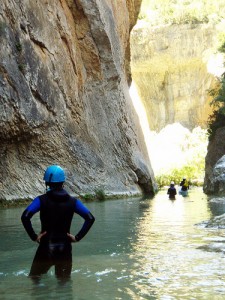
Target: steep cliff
<point>214,182</point>
<point>170,69</point>
<point>64,97</point>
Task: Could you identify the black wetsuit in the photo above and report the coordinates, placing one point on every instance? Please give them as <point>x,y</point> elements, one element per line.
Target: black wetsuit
<point>56,213</point>
<point>172,192</point>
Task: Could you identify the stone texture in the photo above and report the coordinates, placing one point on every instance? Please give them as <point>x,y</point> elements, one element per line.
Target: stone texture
<point>169,67</point>
<point>64,97</point>
<point>215,222</point>
<point>214,182</point>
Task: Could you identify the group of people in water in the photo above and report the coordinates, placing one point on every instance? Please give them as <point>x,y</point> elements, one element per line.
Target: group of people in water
<point>172,192</point>
<point>57,208</point>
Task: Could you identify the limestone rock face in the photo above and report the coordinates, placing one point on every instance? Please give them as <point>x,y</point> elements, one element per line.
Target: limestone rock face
<point>214,182</point>
<point>169,68</point>
<point>64,97</point>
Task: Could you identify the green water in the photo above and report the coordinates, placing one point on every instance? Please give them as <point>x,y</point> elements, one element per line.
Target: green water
<point>137,249</point>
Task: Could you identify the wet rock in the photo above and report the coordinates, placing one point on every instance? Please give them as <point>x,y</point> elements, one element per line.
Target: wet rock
<point>214,247</point>
<point>215,222</point>
<point>219,200</point>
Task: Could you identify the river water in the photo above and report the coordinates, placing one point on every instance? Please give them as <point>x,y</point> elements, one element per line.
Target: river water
<point>137,249</point>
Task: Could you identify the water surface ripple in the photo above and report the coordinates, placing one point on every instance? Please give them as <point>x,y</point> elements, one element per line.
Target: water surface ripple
<point>137,249</point>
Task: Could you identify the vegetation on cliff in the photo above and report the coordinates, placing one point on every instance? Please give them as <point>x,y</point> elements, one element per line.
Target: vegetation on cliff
<point>158,12</point>
<point>177,152</point>
<point>217,118</point>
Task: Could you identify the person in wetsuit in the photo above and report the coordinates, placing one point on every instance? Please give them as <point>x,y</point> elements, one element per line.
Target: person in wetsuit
<point>184,184</point>
<point>172,191</point>
<point>56,209</point>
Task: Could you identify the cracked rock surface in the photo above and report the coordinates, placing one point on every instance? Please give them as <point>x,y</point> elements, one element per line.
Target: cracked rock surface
<point>64,74</point>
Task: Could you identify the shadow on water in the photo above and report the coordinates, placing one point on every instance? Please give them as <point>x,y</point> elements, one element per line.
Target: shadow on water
<point>137,249</point>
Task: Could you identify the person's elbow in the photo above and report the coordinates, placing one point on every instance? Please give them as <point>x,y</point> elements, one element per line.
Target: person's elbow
<point>24,217</point>
<point>91,218</point>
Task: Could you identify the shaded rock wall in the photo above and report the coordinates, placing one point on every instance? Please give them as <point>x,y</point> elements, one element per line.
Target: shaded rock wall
<point>64,97</point>
<point>169,67</point>
<point>214,182</point>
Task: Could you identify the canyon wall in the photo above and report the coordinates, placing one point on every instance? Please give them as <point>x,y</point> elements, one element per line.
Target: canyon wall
<point>214,182</point>
<point>171,68</point>
<point>64,74</point>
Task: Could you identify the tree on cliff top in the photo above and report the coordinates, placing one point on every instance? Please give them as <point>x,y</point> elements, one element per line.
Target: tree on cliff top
<point>159,12</point>
<point>217,118</point>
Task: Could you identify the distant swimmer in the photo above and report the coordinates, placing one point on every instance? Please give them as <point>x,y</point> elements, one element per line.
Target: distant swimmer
<point>184,187</point>
<point>172,191</point>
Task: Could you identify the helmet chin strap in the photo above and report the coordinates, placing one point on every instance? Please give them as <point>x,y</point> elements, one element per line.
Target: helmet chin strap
<point>47,188</point>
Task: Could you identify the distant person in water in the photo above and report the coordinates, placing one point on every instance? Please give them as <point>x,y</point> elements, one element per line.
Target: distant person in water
<point>172,191</point>
<point>184,185</point>
<point>56,209</point>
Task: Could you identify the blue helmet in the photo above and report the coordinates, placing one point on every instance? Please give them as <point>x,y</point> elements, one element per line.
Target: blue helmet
<point>54,174</point>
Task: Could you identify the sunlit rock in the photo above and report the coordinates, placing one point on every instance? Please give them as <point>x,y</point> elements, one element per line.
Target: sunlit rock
<point>173,67</point>
<point>64,98</point>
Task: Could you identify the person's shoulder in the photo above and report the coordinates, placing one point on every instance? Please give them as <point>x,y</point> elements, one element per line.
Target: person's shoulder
<point>34,206</point>
<point>41,197</point>
<point>37,198</point>
<point>73,197</point>
<point>76,200</point>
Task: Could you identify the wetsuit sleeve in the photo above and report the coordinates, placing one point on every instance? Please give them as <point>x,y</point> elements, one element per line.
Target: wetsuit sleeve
<point>82,210</point>
<point>28,213</point>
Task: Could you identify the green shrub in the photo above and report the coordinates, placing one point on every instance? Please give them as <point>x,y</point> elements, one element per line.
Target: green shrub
<point>193,171</point>
<point>18,47</point>
<point>21,67</point>
<point>88,197</point>
<point>217,118</point>
<point>100,194</point>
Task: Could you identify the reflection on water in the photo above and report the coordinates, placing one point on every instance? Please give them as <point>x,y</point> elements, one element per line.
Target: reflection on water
<point>137,249</point>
